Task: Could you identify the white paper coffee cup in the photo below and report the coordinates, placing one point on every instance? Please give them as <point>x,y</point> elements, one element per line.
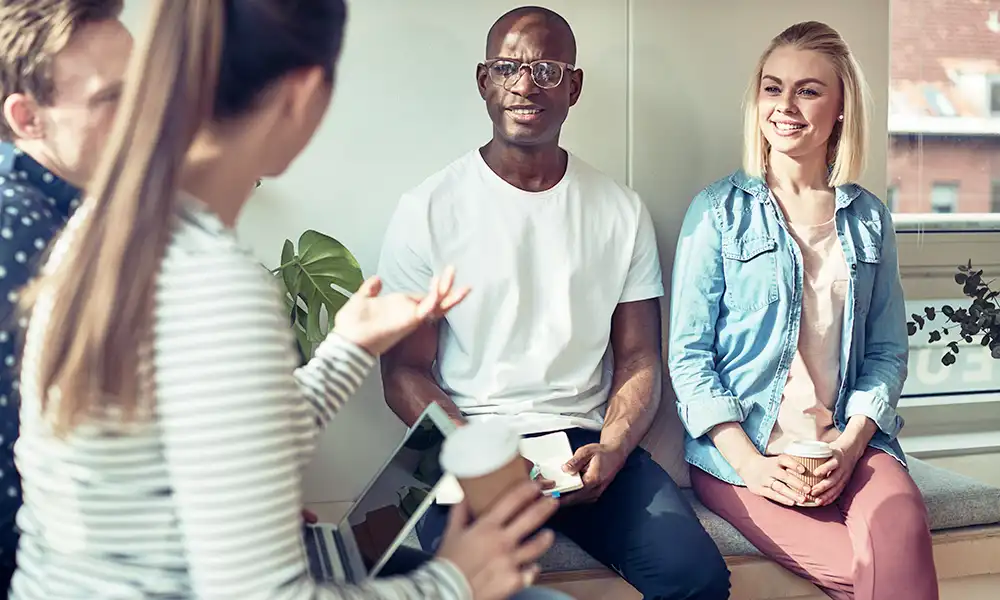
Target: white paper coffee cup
<point>810,454</point>
<point>485,459</point>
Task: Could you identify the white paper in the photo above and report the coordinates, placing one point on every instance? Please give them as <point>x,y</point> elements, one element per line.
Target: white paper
<point>550,452</point>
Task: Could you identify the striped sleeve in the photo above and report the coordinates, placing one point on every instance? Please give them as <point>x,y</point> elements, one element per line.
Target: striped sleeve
<point>335,371</point>
<point>233,421</point>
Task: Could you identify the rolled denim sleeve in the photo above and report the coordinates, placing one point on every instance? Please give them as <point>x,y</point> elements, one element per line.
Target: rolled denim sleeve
<point>883,371</point>
<point>697,287</point>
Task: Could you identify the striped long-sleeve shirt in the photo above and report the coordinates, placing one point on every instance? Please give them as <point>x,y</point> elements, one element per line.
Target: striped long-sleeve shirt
<point>200,497</point>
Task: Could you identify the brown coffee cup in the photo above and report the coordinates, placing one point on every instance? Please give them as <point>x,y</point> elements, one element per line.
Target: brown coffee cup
<point>486,461</point>
<point>811,455</point>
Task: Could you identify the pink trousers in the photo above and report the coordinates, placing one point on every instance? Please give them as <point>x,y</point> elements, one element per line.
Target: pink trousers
<point>872,543</point>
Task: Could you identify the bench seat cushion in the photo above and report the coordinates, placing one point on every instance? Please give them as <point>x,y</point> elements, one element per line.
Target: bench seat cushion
<point>953,500</point>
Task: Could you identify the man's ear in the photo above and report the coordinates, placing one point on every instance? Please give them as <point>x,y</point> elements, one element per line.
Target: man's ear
<point>575,86</point>
<point>482,79</point>
<point>20,111</point>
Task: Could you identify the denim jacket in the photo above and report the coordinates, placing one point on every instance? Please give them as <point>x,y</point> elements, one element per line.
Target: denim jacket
<point>737,305</point>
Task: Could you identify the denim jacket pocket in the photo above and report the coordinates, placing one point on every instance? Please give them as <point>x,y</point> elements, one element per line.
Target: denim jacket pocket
<point>751,273</point>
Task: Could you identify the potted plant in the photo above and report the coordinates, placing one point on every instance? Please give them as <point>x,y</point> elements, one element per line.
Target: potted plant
<point>979,322</point>
<point>318,277</point>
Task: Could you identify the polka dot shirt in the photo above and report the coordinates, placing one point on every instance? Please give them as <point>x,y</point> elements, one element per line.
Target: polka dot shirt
<point>34,206</point>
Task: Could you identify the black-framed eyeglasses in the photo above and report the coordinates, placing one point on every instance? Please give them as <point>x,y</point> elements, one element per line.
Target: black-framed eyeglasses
<point>546,73</point>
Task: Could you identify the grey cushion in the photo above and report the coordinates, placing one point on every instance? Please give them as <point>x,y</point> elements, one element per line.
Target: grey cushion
<point>729,540</point>
<point>567,556</point>
<point>952,500</point>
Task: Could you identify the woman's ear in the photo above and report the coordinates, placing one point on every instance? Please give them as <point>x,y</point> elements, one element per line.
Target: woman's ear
<point>302,89</point>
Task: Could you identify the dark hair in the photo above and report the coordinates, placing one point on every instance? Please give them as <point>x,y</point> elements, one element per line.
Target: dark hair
<point>265,39</point>
<point>198,61</point>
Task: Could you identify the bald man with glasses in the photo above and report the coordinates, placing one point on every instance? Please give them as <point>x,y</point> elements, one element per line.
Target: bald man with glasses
<point>562,329</point>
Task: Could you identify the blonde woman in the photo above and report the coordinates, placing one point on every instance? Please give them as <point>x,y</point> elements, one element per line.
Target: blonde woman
<point>164,425</point>
<point>788,325</point>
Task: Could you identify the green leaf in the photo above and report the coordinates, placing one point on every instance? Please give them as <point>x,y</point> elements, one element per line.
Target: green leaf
<point>314,306</point>
<point>290,276</point>
<point>313,273</point>
<point>305,346</point>
<point>326,261</point>
<point>290,308</point>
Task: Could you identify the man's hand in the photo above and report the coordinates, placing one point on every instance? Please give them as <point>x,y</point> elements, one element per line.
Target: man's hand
<point>835,472</point>
<point>597,465</point>
<point>546,484</point>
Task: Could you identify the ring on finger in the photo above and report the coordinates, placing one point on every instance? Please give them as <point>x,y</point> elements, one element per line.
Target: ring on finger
<point>771,485</point>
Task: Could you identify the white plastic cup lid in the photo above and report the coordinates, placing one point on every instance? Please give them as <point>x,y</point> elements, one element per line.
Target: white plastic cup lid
<point>809,449</point>
<point>478,449</point>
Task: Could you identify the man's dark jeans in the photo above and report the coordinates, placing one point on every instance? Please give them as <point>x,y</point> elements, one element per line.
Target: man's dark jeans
<point>641,527</point>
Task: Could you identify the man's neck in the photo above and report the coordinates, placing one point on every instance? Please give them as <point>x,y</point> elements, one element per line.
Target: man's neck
<point>40,155</point>
<point>532,169</point>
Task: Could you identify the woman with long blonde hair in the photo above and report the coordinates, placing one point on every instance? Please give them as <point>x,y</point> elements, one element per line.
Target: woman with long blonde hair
<point>788,335</point>
<point>164,424</point>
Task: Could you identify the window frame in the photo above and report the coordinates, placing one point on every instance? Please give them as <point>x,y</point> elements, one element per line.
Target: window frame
<point>930,248</point>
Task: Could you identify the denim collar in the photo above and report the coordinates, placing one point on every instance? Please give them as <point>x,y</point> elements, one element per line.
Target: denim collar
<point>757,187</point>
<point>18,166</point>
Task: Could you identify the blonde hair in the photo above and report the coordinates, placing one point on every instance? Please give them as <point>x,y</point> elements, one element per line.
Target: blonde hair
<point>848,144</point>
<point>32,34</point>
<point>98,291</point>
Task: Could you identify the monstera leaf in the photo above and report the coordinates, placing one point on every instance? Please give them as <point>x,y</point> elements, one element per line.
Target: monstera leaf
<point>318,277</point>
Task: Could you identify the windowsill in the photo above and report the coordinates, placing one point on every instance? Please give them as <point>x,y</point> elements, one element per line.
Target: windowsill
<point>951,444</point>
<point>979,398</point>
<point>951,425</point>
<point>947,223</point>
<point>943,126</point>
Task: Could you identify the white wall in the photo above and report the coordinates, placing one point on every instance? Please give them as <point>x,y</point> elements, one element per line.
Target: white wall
<point>660,110</point>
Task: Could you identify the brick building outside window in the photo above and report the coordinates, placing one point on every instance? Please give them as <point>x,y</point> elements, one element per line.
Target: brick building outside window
<point>944,107</point>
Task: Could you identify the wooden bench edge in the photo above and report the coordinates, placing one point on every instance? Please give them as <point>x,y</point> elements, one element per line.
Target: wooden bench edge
<point>942,537</point>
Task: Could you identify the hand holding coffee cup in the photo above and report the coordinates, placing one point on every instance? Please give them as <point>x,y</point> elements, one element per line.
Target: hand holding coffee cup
<point>489,535</point>
<point>811,455</point>
<point>777,478</point>
<point>485,458</point>
<point>498,552</point>
<point>836,472</point>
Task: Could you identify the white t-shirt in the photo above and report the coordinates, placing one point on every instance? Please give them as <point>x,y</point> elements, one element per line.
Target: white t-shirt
<point>531,342</point>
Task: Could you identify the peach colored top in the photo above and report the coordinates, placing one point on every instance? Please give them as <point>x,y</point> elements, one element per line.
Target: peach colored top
<point>806,411</point>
